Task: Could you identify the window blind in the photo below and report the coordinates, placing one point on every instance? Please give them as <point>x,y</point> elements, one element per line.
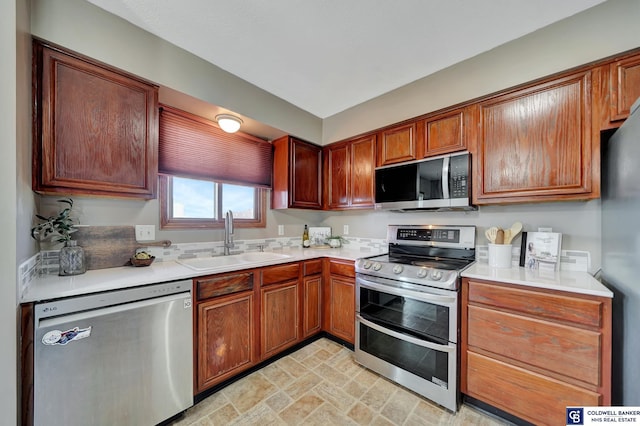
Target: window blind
<point>192,146</point>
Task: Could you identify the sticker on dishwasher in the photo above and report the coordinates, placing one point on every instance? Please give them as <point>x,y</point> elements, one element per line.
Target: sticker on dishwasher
<point>57,337</point>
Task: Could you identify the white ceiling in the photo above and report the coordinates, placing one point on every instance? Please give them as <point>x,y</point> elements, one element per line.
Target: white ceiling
<point>325,56</point>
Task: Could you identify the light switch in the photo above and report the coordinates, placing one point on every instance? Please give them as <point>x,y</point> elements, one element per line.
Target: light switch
<point>345,230</point>
<point>145,232</point>
<point>280,229</point>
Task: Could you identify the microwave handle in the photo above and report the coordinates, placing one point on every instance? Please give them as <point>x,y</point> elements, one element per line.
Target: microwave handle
<point>445,177</point>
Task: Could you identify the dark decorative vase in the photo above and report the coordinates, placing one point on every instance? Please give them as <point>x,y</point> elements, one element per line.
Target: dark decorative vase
<point>72,259</point>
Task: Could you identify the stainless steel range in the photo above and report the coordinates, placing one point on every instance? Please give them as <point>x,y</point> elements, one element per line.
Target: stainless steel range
<point>407,308</point>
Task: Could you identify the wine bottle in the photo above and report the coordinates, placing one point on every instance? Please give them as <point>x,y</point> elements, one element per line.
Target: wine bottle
<point>305,237</point>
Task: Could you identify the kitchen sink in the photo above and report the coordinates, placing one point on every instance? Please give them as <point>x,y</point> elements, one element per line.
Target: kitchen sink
<point>248,259</point>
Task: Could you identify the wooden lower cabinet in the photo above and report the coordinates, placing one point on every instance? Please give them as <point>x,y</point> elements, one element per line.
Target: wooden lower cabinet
<point>279,318</point>
<point>279,308</point>
<point>312,298</point>
<point>225,338</point>
<point>532,352</point>
<point>340,296</point>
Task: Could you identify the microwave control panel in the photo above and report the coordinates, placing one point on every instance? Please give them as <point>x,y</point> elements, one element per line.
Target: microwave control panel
<point>459,182</point>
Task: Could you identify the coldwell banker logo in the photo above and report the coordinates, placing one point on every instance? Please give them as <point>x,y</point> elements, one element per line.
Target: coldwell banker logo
<point>575,416</point>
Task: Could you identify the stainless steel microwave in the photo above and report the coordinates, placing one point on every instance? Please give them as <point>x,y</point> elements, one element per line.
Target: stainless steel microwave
<point>436,183</point>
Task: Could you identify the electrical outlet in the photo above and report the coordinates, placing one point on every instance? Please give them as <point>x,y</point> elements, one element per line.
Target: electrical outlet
<point>280,229</point>
<point>345,229</point>
<point>145,232</point>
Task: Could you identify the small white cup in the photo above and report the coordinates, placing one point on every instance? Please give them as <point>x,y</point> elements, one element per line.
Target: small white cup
<point>500,255</point>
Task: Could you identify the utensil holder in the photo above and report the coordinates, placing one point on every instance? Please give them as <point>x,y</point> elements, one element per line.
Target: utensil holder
<point>500,255</point>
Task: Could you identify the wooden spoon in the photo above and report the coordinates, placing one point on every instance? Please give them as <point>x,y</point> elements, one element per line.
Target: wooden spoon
<point>500,234</point>
<point>491,234</point>
<point>513,231</point>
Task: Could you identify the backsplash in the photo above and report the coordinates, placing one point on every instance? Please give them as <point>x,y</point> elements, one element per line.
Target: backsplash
<point>216,248</point>
<point>46,261</point>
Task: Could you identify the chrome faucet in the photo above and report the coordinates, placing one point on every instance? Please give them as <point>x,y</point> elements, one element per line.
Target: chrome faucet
<point>228,233</point>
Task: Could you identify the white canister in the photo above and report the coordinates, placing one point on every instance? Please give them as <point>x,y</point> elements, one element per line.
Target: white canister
<point>500,255</point>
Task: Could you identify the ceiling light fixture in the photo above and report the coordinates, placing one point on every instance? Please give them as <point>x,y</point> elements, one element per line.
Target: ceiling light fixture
<point>229,123</point>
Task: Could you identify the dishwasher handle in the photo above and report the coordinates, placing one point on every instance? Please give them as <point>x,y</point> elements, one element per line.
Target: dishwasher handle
<point>81,316</point>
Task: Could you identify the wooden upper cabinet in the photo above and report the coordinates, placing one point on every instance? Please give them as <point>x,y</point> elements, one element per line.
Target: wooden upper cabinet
<point>297,174</point>
<point>349,173</point>
<point>625,86</point>
<point>337,175</point>
<point>95,127</point>
<point>397,144</point>
<point>536,144</point>
<point>442,133</point>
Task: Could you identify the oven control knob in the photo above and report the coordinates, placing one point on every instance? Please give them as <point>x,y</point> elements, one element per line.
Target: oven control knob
<point>436,275</point>
<point>377,266</point>
<point>366,264</point>
<point>422,273</point>
<point>397,269</point>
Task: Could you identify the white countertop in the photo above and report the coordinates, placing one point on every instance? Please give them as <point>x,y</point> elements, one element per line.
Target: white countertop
<point>48,287</point>
<point>571,281</point>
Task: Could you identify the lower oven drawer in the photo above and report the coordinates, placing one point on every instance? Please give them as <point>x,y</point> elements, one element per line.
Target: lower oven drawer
<point>531,396</point>
<point>427,368</point>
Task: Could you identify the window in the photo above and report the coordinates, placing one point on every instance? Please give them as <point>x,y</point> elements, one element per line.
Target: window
<point>205,172</point>
<point>195,203</point>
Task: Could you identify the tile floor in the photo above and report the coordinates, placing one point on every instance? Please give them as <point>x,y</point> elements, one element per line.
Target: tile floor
<point>321,384</point>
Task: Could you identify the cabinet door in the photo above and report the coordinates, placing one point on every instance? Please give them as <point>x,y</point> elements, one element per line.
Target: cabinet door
<point>312,305</point>
<point>297,174</point>
<point>397,144</point>
<point>306,175</point>
<point>338,176</point>
<point>363,160</point>
<point>342,316</point>
<point>535,144</point>
<point>225,344</point>
<point>279,317</point>
<point>96,128</point>
<point>443,133</point>
<point>625,86</point>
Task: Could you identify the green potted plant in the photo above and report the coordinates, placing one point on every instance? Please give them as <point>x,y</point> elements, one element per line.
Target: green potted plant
<point>59,228</point>
<point>336,241</point>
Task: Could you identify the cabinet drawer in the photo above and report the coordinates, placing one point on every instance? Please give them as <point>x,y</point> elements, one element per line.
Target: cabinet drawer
<point>207,287</point>
<point>545,305</point>
<point>277,274</point>
<point>345,268</point>
<point>312,267</point>
<point>533,397</point>
<point>570,351</point>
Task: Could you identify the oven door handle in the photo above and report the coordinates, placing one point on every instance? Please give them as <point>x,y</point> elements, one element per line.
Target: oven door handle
<point>422,296</point>
<point>415,341</point>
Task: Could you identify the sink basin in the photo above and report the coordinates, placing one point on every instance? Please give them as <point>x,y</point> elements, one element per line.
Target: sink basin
<point>262,256</point>
<point>207,263</point>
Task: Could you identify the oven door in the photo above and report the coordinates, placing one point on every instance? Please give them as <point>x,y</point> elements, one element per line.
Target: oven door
<point>426,368</point>
<point>423,312</point>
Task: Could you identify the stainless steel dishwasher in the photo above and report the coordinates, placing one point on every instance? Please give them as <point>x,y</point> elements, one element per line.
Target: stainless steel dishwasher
<point>123,357</point>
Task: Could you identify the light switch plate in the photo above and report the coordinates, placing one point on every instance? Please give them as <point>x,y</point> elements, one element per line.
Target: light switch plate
<point>280,229</point>
<point>145,232</point>
<point>345,229</point>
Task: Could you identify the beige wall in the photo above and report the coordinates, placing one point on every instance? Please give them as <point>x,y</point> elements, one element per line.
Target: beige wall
<point>9,25</point>
<point>601,31</point>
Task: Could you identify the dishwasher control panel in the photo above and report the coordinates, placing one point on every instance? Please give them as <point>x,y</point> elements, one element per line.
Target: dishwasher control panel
<point>111,298</point>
